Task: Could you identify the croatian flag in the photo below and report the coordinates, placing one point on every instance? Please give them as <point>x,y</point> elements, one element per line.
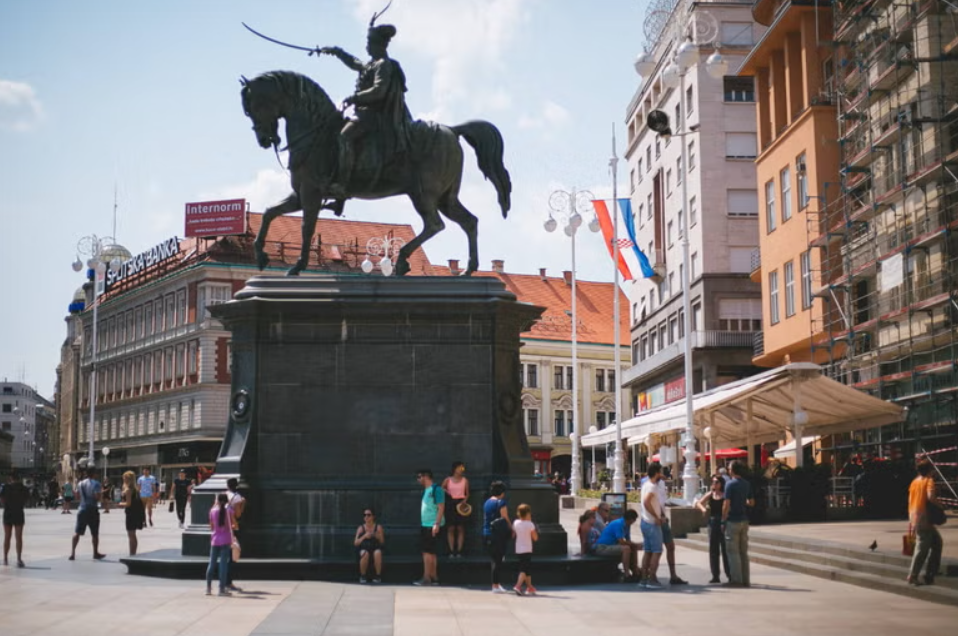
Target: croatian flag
<point>628,249</point>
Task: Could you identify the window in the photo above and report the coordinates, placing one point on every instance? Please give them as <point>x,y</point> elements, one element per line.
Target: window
<point>658,147</point>
<point>648,158</point>
<point>610,379</point>
<point>8,408</point>
<point>802,170</point>
<point>641,216</point>
<point>737,33</point>
<point>673,329</point>
<point>696,316</point>
<point>693,212</point>
<point>671,283</point>
<point>789,271</point>
<point>181,307</point>
<point>193,356</point>
<point>168,365</point>
<point>806,264</point>
<point>740,259</point>
<point>740,314</point>
<point>600,380</point>
<point>691,156</point>
<point>568,378</point>
<point>668,233</point>
<point>662,329</point>
<point>649,208</point>
<point>600,420</point>
<point>643,348</point>
<point>210,295</point>
<point>773,297</point>
<point>639,170</point>
<point>742,202</point>
<point>652,299</point>
<point>689,102</point>
<point>147,319</point>
<point>695,265</point>
<point>739,89</point>
<point>668,182</point>
<point>557,378</point>
<point>786,179</point>
<point>170,311</point>
<point>559,424</point>
<point>770,220</point>
<point>681,223</point>
<point>678,120</point>
<point>678,171</point>
<point>632,179</point>
<point>532,422</point>
<point>740,145</point>
<point>7,426</point>
<point>532,376</point>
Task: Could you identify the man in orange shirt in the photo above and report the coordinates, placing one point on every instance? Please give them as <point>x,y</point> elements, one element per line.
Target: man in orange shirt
<point>920,494</point>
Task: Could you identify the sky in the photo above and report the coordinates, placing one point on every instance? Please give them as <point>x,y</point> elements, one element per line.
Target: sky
<point>142,98</point>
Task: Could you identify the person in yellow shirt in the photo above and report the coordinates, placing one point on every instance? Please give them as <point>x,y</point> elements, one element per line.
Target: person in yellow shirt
<point>928,545</point>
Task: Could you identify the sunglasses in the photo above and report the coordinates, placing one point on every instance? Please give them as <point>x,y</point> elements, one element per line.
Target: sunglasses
<point>367,514</point>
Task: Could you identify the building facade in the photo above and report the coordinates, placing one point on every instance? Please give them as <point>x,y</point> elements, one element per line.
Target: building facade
<point>28,418</point>
<point>721,213</point>
<point>163,362</point>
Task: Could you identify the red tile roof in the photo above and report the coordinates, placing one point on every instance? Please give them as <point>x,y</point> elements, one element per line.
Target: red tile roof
<point>594,309</point>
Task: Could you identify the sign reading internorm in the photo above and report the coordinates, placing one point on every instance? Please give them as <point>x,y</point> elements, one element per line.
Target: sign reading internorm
<point>215,218</point>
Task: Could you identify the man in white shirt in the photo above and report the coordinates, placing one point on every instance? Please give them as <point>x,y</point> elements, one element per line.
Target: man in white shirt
<point>652,515</point>
<point>663,496</point>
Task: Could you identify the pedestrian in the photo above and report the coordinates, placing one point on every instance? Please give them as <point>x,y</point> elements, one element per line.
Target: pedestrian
<point>667,539</point>
<point>107,495</point>
<point>738,496</point>
<point>182,489</point>
<point>603,512</point>
<point>134,512</point>
<point>88,514</point>
<point>221,542</point>
<point>13,496</point>
<point>615,542</point>
<point>369,542</point>
<point>431,509</point>
<point>923,507</point>
<point>456,487</point>
<point>162,491</point>
<point>67,497</point>
<point>652,515</point>
<point>526,535</point>
<point>587,533</point>
<point>496,531</point>
<point>53,493</point>
<point>237,503</point>
<point>711,505</point>
<point>148,492</point>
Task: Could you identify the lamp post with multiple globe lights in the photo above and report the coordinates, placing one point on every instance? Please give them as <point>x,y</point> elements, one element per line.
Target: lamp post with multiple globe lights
<point>386,248</point>
<point>566,206</point>
<point>101,253</point>
<point>673,77</point>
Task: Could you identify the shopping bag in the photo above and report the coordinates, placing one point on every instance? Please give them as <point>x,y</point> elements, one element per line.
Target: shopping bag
<point>908,544</point>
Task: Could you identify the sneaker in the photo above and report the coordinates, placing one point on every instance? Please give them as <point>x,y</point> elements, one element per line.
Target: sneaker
<point>653,585</point>
<point>21,564</point>
<point>99,556</point>
<point>377,580</point>
<point>209,592</point>
<point>498,589</point>
<point>531,591</point>
<point>233,588</point>
<point>677,581</point>
<point>517,591</point>
<point>362,580</point>
<point>421,583</point>
<point>715,580</point>
<point>225,593</point>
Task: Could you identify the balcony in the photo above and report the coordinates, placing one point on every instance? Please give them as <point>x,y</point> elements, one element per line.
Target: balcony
<point>700,340</point>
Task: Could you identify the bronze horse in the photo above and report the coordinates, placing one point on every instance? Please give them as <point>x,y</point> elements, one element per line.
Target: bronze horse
<point>429,173</point>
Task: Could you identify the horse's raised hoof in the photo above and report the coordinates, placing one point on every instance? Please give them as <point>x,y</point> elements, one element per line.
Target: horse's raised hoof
<point>402,267</point>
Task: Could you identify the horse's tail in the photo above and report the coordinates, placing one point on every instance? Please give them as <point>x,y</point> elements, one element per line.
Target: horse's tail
<point>486,140</point>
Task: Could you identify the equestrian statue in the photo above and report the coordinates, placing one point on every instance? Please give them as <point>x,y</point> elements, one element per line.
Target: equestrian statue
<point>380,152</point>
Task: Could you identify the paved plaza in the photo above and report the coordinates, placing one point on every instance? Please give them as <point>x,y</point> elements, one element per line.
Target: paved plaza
<point>56,596</point>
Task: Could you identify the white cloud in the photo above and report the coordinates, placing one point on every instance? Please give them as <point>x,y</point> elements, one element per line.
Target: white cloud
<point>268,187</point>
<point>465,39</point>
<point>550,118</point>
<point>20,110</point>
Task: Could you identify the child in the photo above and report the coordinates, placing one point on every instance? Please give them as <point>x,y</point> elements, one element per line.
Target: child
<point>526,535</point>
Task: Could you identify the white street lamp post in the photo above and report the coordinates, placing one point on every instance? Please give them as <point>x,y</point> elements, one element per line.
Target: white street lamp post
<point>102,252</point>
<point>618,470</point>
<point>566,206</point>
<point>673,76</point>
<point>106,460</point>
<point>387,249</point>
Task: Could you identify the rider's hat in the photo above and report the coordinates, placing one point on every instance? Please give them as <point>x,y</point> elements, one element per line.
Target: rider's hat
<point>382,33</point>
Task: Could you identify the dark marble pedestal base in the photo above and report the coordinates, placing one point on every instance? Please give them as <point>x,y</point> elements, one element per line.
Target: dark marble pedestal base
<point>344,386</point>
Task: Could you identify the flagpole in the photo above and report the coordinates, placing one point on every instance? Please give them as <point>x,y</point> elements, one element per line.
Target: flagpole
<point>618,470</point>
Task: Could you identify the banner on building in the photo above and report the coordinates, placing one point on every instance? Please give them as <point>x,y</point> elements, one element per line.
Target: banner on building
<point>675,390</point>
<point>216,218</point>
<point>892,272</point>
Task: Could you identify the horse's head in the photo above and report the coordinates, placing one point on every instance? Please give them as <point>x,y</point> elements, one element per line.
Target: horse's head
<point>262,106</point>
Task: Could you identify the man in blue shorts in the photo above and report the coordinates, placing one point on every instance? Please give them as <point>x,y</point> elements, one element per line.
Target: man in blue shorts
<point>652,515</point>
<point>88,515</point>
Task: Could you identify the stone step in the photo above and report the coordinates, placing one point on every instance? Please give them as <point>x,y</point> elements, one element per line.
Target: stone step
<point>875,576</point>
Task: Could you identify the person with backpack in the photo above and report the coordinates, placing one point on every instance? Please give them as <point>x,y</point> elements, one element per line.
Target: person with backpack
<point>496,531</point>
<point>431,520</point>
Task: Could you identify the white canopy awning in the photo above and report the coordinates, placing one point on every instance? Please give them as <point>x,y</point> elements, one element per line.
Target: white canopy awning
<point>761,409</point>
<point>789,448</point>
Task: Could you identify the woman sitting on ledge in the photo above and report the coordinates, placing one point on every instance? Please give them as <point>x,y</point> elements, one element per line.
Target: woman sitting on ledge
<point>369,541</point>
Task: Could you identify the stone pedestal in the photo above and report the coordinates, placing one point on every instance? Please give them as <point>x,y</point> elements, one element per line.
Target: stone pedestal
<point>344,386</point>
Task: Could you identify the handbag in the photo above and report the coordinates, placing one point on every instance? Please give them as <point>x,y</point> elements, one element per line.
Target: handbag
<point>908,544</point>
<point>171,506</point>
<point>936,514</point>
<point>235,549</point>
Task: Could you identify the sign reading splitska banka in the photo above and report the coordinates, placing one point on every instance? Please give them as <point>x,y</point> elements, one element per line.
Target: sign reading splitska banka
<point>216,218</point>
<point>156,254</point>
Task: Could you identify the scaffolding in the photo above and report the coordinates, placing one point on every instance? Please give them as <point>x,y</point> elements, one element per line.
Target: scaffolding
<point>884,241</point>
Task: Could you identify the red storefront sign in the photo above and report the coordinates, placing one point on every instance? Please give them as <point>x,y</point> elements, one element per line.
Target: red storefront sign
<point>216,218</point>
<point>541,455</point>
<point>675,390</point>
